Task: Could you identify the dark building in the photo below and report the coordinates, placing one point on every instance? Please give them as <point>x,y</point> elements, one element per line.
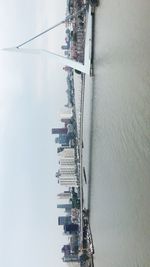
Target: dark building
<point>60,149</point>
<point>63,139</point>
<point>71,228</point>
<point>62,220</point>
<point>59,130</point>
<point>68,254</point>
<point>64,206</point>
<point>65,47</point>
<point>66,250</point>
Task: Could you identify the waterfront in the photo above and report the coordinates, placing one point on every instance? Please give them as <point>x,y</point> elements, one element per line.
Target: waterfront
<point>69,140</point>
<point>120,151</point>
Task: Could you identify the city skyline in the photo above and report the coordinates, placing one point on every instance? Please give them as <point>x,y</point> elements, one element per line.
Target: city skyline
<point>27,102</point>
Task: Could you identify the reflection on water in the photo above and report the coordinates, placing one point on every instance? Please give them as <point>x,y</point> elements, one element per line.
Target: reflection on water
<point>120,152</point>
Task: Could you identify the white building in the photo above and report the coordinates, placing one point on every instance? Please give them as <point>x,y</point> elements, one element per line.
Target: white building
<point>64,195</point>
<point>66,161</point>
<point>67,153</point>
<point>67,171</point>
<point>67,168</point>
<point>68,183</point>
<point>66,114</point>
<point>68,179</point>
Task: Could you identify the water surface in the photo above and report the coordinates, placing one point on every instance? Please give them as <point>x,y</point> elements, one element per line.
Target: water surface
<point>120,152</point>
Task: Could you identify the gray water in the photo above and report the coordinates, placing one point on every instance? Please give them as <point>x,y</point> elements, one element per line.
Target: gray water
<point>120,143</point>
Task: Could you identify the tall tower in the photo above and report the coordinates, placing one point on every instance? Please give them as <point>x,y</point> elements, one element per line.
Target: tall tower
<point>64,195</point>
<point>62,220</point>
<point>59,130</point>
<point>64,206</point>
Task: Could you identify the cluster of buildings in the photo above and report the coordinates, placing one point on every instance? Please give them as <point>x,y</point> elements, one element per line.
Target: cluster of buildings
<point>67,176</point>
<point>71,229</point>
<point>74,221</point>
<point>70,87</point>
<point>75,31</point>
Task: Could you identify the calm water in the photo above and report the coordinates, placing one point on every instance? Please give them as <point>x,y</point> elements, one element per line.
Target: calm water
<point>120,152</point>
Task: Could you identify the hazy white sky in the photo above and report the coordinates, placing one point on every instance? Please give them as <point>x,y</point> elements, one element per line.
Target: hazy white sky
<point>32,91</point>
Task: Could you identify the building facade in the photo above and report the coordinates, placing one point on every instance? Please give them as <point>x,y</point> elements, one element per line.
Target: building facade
<point>64,195</point>
<point>62,220</point>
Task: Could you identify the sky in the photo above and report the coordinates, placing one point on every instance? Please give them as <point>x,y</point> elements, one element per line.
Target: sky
<point>32,92</point>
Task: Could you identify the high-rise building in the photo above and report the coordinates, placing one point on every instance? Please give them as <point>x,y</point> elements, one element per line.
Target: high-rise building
<point>74,245</point>
<point>64,206</point>
<point>63,140</point>
<point>71,258</point>
<point>67,169</point>
<point>64,195</point>
<point>62,220</point>
<point>66,249</point>
<point>60,149</point>
<point>67,153</point>
<point>59,130</point>
<point>66,161</point>
<point>71,228</point>
<point>68,180</point>
<point>66,114</point>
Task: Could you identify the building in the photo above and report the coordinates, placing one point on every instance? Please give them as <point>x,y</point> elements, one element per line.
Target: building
<point>74,244</point>
<point>59,149</point>
<point>62,220</point>
<point>69,255</point>
<point>67,158</point>
<point>66,250</point>
<point>62,139</point>
<point>66,114</point>
<point>59,130</point>
<point>67,169</point>
<point>71,258</point>
<point>69,180</point>
<point>64,206</point>
<point>67,153</point>
<point>67,162</point>
<point>71,228</point>
<point>67,172</point>
<point>64,195</point>
<point>69,183</point>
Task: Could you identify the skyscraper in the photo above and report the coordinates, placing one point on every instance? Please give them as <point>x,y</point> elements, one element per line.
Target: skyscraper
<point>62,220</point>
<point>67,153</point>
<point>64,195</point>
<point>59,130</point>
<point>64,206</point>
<point>71,228</point>
<point>70,181</point>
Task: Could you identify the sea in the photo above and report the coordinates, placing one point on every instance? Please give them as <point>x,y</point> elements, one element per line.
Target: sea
<point>117,135</point>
